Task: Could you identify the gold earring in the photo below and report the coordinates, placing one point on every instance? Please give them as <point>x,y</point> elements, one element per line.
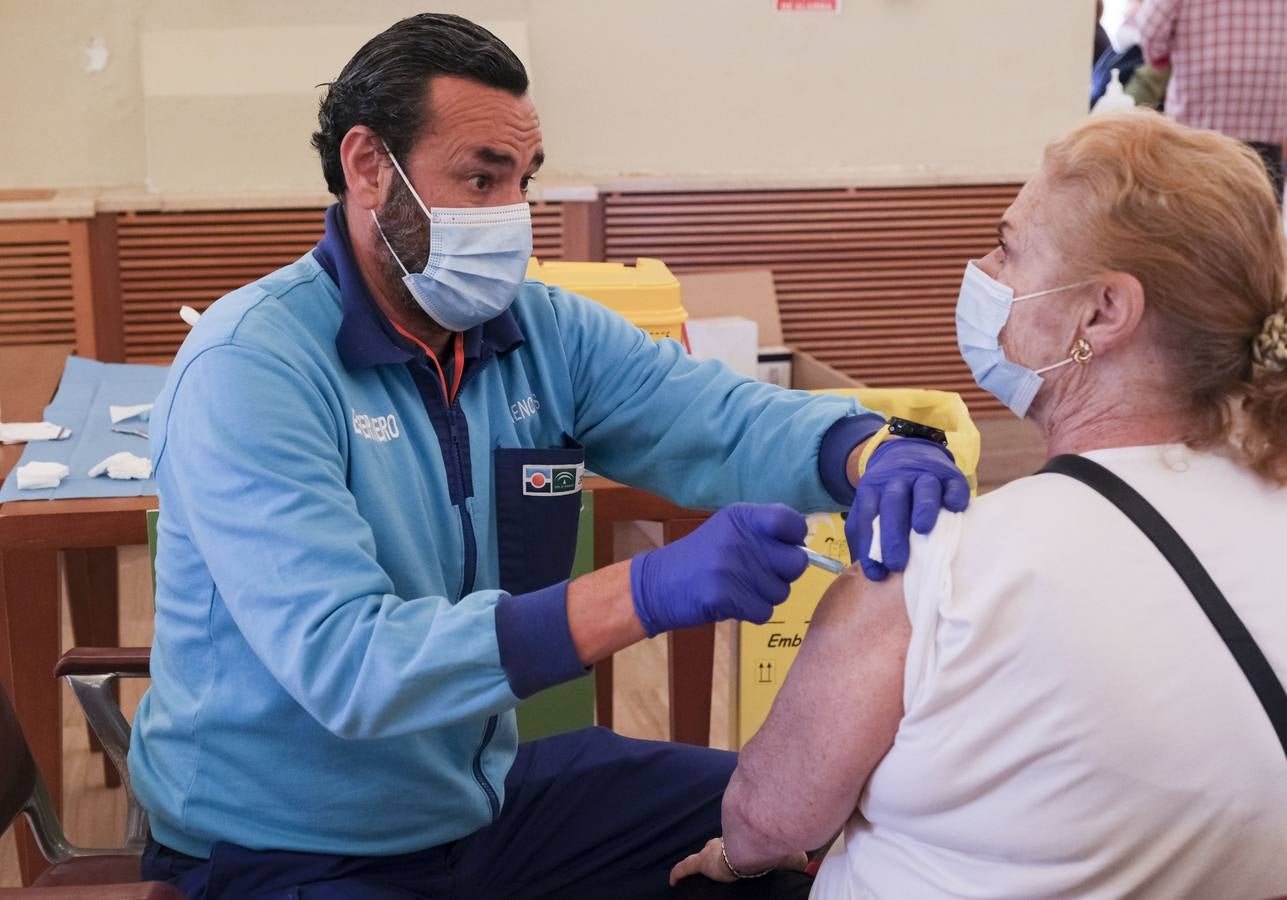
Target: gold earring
<point>1082,352</point>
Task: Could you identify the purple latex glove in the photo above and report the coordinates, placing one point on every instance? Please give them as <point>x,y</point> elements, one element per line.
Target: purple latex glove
<point>907,482</point>
<point>738,565</point>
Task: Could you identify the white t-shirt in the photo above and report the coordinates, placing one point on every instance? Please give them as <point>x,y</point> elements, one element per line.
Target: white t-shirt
<point>1073,724</point>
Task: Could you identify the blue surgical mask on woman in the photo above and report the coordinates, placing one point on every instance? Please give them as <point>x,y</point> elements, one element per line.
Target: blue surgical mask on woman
<point>477,260</point>
<point>982,310</point>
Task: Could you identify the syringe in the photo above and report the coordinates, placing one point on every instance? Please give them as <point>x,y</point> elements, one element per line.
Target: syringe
<point>826,563</point>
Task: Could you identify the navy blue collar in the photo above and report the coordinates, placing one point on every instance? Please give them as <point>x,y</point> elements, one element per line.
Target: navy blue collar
<point>366,337</point>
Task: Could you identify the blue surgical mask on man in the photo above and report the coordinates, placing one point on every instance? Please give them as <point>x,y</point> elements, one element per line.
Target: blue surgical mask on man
<point>982,310</point>
<point>477,260</point>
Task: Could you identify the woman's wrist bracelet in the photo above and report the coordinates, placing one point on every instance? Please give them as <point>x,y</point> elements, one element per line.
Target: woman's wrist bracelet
<point>723,851</point>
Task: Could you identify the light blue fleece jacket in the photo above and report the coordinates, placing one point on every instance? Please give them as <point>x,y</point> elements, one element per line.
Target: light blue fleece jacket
<point>335,667</point>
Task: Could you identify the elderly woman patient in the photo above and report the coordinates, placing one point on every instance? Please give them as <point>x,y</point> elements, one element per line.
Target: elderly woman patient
<point>1042,707</point>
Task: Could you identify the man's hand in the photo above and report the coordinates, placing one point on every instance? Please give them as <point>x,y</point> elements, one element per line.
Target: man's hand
<point>709,861</point>
<point>738,565</point>
<point>907,482</point>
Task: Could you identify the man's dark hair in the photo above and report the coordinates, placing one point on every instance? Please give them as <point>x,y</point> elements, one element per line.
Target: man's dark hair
<point>385,84</point>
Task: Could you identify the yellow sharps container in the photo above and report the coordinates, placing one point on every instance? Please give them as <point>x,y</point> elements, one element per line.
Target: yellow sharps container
<point>646,294</point>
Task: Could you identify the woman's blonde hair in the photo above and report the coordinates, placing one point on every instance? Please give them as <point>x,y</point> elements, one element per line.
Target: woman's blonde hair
<point>1192,215</point>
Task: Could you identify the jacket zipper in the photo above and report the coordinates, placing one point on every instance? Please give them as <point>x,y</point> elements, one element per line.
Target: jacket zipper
<point>493,801</point>
<point>468,537</point>
<point>467,585</point>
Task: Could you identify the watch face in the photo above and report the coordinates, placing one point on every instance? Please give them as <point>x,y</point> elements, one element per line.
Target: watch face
<point>906,428</point>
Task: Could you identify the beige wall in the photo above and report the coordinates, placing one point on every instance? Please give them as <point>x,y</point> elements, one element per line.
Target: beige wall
<point>201,95</point>
<point>62,126</point>
<point>888,88</point>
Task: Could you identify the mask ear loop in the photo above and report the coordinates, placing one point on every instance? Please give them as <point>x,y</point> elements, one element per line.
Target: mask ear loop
<point>1081,353</point>
<point>1057,290</point>
<point>376,220</point>
<point>407,181</point>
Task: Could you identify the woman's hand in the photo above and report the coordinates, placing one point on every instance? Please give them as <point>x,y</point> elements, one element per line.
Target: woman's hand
<point>709,861</point>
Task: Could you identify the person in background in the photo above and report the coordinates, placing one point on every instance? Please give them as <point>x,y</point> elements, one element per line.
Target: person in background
<point>1144,83</point>
<point>1040,707</point>
<point>1228,62</point>
<point>1102,42</point>
<point>1147,86</point>
<point>1124,55</point>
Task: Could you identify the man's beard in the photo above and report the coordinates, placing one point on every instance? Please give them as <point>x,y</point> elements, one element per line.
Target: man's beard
<point>407,231</point>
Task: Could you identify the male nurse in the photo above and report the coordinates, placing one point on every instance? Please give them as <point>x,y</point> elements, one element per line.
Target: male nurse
<point>370,466</point>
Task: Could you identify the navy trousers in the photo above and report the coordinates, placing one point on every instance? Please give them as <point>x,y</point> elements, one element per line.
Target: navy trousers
<point>588,814</point>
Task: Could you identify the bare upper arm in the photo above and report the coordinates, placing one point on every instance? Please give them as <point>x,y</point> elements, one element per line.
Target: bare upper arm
<point>835,717</point>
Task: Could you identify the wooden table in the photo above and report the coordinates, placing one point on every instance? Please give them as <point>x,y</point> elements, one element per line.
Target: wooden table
<point>33,534</point>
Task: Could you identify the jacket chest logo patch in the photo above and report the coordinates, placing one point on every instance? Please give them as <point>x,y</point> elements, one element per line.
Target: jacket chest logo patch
<point>380,429</point>
<point>552,481</point>
<point>525,409</point>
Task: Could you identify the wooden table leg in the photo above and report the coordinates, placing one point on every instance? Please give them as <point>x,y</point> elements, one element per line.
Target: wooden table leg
<point>692,665</point>
<point>604,555</point>
<point>692,657</point>
<point>93,598</point>
<point>692,668</point>
<point>29,645</point>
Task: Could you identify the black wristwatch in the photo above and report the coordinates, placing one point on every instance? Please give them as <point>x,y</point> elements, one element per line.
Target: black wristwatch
<point>907,428</point>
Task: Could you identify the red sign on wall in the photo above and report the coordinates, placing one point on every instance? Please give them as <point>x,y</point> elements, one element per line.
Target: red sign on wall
<point>808,5</point>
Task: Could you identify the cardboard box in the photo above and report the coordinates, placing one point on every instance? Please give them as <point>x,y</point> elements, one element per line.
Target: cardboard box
<point>733,340</point>
<point>773,365</point>
<point>750,293</point>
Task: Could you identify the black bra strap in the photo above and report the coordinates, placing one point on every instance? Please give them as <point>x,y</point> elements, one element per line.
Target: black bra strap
<point>1269,690</point>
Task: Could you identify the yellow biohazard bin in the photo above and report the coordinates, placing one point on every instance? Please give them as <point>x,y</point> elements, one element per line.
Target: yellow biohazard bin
<point>645,294</point>
<point>764,653</point>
